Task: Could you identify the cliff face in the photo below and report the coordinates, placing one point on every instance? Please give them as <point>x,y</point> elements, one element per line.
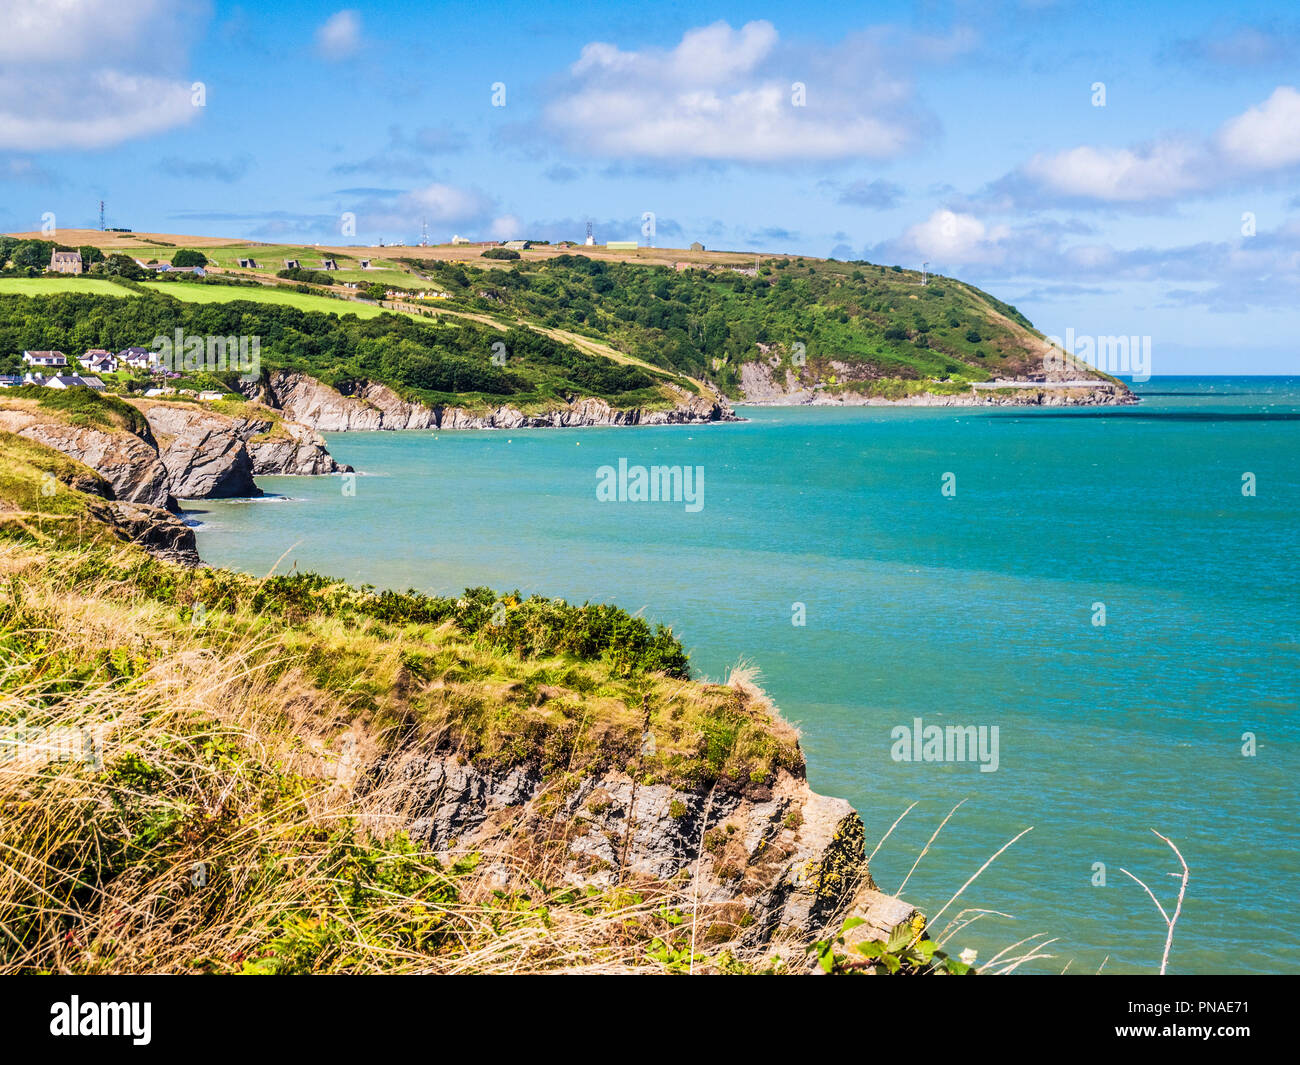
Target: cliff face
<point>182,452</point>
<point>216,456</point>
<point>371,406</point>
<point>769,384</point>
<point>129,463</point>
<point>781,860</point>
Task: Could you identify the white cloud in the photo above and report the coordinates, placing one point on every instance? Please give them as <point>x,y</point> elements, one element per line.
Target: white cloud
<point>1256,143</point>
<point>125,60</point>
<point>439,204</point>
<point>1265,137</point>
<point>339,36</point>
<point>724,94</point>
<point>953,237</point>
<point>506,227</point>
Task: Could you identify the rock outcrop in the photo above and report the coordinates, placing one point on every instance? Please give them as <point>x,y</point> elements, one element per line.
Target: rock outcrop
<point>156,530</point>
<point>369,406</point>
<point>763,862</point>
<point>209,455</point>
<point>129,463</point>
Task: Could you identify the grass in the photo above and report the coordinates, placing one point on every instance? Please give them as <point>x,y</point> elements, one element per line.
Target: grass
<point>218,818</point>
<point>288,297</point>
<point>79,406</point>
<point>45,286</point>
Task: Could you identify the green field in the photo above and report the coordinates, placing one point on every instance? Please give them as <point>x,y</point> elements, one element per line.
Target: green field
<point>48,286</point>
<point>287,297</point>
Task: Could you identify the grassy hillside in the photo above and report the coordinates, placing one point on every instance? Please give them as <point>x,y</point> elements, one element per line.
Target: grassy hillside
<point>694,316</point>
<point>436,361</point>
<point>183,776</point>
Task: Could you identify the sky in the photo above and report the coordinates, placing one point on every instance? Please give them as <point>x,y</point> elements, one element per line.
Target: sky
<point>1110,168</point>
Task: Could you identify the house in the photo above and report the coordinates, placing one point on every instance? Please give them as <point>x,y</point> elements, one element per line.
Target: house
<point>696,246</point>
<point>517,245</point>
<point>74,381</point>
<point>65,262</point>
<point>10,380</point>
<point>458,239</point>
<point>291,264</point>
<point>45,358</point>
<point>249,264</point>
<point>137,358</point>
<point>197,271</point>
<point>100,361</point>
<point>329,264</point>
<point>151,393</point>
<point>30,378</point>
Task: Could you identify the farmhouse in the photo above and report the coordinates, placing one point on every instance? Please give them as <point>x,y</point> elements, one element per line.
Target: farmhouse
<point>66,262</point>
<point>696,246</point>
<point>45,358</point>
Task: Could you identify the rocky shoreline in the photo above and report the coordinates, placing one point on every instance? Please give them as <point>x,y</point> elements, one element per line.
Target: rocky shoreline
<point>761,388</point>
<point>370,406</point>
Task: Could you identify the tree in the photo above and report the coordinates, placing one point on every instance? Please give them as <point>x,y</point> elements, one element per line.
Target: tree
<point>119,265</point>
<point>189,257</point>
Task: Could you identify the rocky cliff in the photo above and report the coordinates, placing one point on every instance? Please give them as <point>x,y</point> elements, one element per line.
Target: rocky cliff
<point>769,383</point>
<point>209,455</point>
<point>765,862</point>
<point>367,406</point>
<point>129,463</point>
<point>181,451</point>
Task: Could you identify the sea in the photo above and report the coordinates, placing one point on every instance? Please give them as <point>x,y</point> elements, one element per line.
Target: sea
<point>1081,622</point>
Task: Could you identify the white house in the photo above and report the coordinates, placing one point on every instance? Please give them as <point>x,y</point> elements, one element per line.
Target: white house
<point>45,358</point>
<point>74,381</point>
<point>137,358</point>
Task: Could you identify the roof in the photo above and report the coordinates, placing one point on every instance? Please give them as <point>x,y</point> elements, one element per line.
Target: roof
<point>67,256</point>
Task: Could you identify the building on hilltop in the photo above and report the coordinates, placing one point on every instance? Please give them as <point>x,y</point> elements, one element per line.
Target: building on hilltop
<point>65,262</point>
<point>696,246</point>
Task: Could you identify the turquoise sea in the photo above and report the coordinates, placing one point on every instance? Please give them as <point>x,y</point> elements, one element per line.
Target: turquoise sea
<point>970,609</point>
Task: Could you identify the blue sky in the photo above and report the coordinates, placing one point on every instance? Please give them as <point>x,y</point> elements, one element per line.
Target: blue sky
<point>967,134</point>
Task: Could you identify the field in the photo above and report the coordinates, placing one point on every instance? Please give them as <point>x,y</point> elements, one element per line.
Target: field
<point>46,286</point>
<point>287,297</point>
